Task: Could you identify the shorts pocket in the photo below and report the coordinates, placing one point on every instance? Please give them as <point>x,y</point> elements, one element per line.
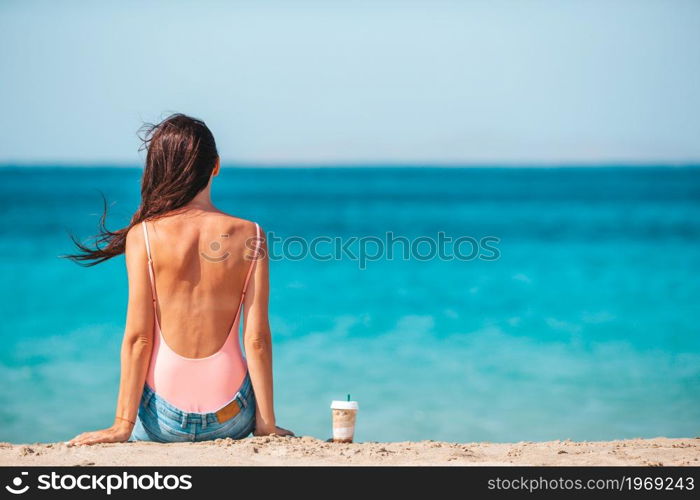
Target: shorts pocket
<point>159,427</point>
<point>176,434</point>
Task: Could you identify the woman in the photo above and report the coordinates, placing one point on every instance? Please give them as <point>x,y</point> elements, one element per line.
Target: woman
<point>192,269</point>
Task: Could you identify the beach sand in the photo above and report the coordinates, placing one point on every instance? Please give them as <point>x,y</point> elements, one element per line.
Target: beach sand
<point>274,450</point>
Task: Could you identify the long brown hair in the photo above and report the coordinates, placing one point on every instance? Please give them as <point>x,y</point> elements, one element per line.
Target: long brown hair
<point>181,156</point>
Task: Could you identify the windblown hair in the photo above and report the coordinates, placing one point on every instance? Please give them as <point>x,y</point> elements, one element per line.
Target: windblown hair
<point>181,156</point>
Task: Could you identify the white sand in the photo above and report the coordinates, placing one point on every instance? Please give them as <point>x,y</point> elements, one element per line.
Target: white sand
<point>273,450</point>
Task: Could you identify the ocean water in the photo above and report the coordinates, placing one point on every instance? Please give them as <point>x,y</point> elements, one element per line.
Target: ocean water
<point>584,327</point>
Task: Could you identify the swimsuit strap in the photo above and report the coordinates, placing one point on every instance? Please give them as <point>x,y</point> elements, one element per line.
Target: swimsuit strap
<point>255,258</point>
<point>151,274</point>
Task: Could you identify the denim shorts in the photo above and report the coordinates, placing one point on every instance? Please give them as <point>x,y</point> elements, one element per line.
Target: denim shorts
<point>162,422</point>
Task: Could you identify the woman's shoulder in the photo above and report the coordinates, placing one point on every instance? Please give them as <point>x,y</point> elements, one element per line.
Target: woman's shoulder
<point>241,233</point>
<point>135,236</point>
<point>236,224</point>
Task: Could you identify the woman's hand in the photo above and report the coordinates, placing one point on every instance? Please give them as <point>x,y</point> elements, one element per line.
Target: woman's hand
<point>118,433</point>
<point>277,431</point>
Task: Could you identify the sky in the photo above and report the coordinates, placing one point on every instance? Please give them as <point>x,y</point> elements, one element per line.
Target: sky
<point>355,82</point>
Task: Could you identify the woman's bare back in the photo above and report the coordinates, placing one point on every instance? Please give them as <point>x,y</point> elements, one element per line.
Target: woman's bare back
<point>200,259</point>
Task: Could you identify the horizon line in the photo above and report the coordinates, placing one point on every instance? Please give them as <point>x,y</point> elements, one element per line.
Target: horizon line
<point>365,165</point>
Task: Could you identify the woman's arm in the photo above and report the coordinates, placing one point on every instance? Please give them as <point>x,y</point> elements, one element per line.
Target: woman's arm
<point>136,346</point>
<point>258,345</point>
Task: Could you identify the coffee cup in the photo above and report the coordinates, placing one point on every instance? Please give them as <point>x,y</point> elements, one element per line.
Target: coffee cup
<point>344,415</point>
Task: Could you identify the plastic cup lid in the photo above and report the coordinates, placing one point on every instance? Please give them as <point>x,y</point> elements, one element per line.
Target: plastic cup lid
<point>345,405</point>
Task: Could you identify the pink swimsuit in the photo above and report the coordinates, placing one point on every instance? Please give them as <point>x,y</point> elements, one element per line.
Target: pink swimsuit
<point>197,385</point>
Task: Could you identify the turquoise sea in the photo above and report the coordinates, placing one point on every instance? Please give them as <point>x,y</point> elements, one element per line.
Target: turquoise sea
<point>585,327</point>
